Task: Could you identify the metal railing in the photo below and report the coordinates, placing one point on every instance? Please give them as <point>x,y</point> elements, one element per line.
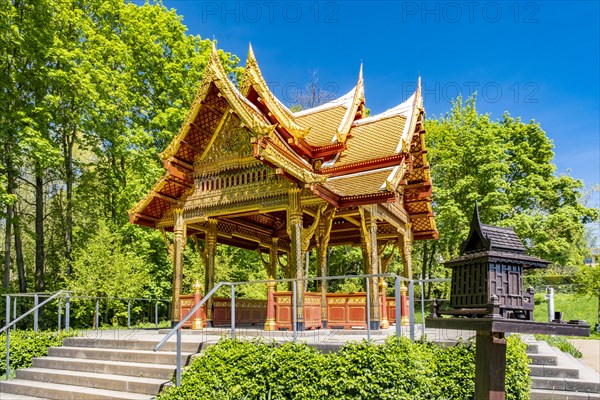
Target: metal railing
<point>6,328</point>
<point>176,330</point>
<point>68,299</point>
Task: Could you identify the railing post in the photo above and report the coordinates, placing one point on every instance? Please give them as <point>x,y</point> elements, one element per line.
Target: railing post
<point>178,372</point>
<point>14,312</point>
<point>67,311</point>
<point>36,300</point>
<point>156,314</point>
<point>97,313</point>
<point>368,293</point>
<point>550,298</point>
<point>398,307</point>
<point>233,311</point>
<point>7,337</point>
<point>59,313</point>
<point>422,308</point>
<point>294,295</point>
<point>129,313</point>
<point>411,308</point>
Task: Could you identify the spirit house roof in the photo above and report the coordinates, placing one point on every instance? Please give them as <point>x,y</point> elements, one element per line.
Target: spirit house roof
<point>335,150</point>
<point>495,242</point>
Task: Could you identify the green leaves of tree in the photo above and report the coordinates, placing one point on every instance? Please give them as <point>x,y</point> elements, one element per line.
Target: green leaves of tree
<point>507,167</point>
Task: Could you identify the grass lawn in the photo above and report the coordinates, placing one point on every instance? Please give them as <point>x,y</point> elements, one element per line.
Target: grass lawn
<point>573,306</point>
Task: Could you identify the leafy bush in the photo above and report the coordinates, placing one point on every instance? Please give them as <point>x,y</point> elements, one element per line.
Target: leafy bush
<point>518,381</point>
<point>25,345</point>
<point>561,343</point>
<point>399,370</point>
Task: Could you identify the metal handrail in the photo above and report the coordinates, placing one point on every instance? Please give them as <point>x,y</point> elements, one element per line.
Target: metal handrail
<point>9,324</point>
<point>397,278</point>
<point>177,328</point>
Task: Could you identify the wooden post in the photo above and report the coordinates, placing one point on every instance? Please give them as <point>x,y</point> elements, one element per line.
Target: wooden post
<point>490,365</point>
<point>296,258</point>
<point>385,323</point>
<point>404,304</point>
<point>322,236</point>
<point>369,233</point>
<point>270,322</point>
<point>407,261</point>
<point>178,248</point>
<point>198,321</point>
<point>210,247</point>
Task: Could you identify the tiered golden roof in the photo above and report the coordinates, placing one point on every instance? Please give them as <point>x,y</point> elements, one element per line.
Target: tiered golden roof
<point>344,157</point>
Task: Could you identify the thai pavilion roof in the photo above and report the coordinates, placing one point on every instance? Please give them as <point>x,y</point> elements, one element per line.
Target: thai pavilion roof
<point>335,150</point>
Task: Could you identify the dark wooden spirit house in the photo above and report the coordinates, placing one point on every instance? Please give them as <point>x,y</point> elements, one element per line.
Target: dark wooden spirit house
<point>487,296</point>
<point>491,262</point>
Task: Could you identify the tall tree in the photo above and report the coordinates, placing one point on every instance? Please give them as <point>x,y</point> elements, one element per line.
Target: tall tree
<point>507,167</point>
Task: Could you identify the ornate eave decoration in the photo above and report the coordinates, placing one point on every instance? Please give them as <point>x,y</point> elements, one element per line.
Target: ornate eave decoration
<point>253,78</point>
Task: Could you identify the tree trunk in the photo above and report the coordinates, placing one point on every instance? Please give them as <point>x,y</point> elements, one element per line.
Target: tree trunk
<point>19,254</point>
<point>430,267</point>
<point>39,229</point>
<point>9,218</point>
<point>69,140</point>
<point>7,247</point>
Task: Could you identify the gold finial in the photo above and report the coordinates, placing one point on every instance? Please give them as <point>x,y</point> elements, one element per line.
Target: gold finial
<point>196,286</point>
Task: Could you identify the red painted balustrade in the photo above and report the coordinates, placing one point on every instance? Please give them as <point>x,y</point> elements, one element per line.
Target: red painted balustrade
<point>283,310</point>
<point>247,311</point>
<point>344,310</point>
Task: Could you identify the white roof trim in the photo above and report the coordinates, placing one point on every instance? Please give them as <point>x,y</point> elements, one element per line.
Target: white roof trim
<point>403,109</point>
<point>345,101</point>
<point>373,171</point>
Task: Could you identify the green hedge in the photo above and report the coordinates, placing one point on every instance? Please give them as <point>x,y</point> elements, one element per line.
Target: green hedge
<point>538,281</point>
<point>25,345</point>
<point>398,370</point>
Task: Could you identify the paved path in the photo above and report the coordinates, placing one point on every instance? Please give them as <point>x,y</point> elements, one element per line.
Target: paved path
<point>590,350</point>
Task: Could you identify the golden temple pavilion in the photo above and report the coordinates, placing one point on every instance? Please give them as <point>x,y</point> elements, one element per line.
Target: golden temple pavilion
<point>246,171</point>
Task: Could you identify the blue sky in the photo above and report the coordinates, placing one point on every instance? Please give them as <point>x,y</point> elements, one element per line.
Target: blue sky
<point>536,59</point>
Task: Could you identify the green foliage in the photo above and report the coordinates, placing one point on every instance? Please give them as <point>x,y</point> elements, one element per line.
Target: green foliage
<point>25,345</point>
<point>517,381</point>
<point>506,166</point>
<point>572,305</point>
<point>104,257</point>
<point>397,369</point>
<point>561,343</point>
<point>588,280</point>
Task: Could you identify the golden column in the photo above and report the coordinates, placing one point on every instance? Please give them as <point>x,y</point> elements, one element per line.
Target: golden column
<point>210,248</point>
<point>296,259</point>
<point>322,237</point>
<point>407,259</point>
<point>178,248</point>
<point>198,321</point>
<point>270,324</point>
<point>369,231</point>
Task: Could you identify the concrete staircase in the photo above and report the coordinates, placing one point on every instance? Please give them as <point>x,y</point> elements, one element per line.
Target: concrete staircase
<point>558,376</point>
<point>98,369</point>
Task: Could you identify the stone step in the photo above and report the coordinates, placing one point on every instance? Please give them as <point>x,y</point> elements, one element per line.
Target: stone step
<point>554,371</point>
<point>149,386</point>
<point>543,359</point>
<point>12,396</point>
<point>532,348</point>
<point>143,370</point>
<point>124,343</point>
<point>544,394</point>
<point>564,384</point>
<point>65,392</point>
<point>138,356</point>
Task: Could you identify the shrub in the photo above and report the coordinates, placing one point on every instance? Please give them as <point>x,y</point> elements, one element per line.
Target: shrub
<point>398,369</point>
<point>25,345</point>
